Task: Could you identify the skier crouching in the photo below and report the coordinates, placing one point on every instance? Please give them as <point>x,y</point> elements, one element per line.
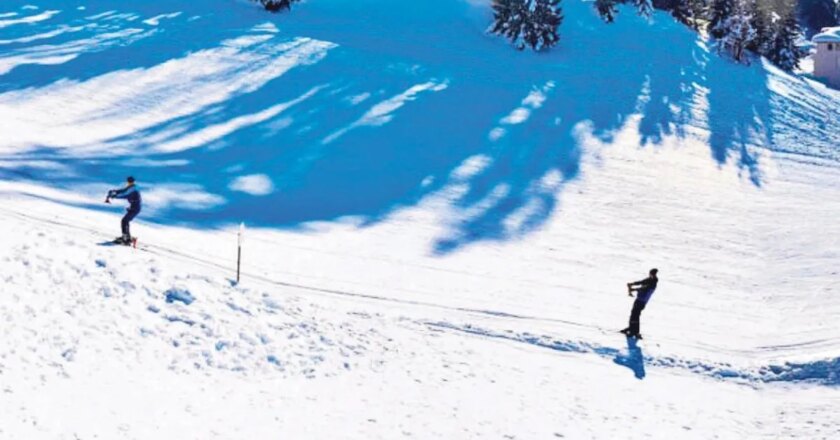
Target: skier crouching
<point>644,290</point>
<point>132,194</point>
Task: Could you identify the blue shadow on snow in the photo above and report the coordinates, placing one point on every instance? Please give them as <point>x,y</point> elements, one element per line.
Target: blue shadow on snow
<point>324,164</point>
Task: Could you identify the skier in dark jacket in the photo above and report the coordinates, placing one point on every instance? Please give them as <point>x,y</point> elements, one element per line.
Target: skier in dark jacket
<point>132,194</point>
<point>644,290</point>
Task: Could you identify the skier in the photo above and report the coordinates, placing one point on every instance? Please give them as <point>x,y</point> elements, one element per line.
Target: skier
<point>130,193</point>
<point>644,289</point>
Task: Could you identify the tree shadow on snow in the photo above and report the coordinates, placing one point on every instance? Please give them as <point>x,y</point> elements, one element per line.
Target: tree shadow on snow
<point>261,126</point>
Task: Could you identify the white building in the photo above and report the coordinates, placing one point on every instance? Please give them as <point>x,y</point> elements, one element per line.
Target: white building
<point>827,58</point>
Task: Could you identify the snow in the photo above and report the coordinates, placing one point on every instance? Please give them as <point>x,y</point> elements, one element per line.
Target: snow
<point>46,15</point>
<point>154,21</point>
<point>828,35</point>
<point>255,184</point>
<point>439,229</point>
<point>382,112</point>
<point>532,102</point>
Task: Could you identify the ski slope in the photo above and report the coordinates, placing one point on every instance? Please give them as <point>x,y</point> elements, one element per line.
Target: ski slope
<point>439,227</point>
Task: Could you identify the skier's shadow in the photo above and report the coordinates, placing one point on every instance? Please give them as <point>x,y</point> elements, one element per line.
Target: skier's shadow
<point>634,359</point>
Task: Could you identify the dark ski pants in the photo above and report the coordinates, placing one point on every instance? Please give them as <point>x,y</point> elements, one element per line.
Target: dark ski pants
<point>635,317</point>
<point>126,220</point>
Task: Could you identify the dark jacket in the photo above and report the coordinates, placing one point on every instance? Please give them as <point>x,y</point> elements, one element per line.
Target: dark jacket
<point>130,193</point>
<point>646,288</point>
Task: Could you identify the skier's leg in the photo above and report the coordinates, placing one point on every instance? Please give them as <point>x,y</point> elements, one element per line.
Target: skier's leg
<point>629,330</point>
<point>637,333</point>
<point>635,317</point>
<point>126,223</point>
<point>124,226</point>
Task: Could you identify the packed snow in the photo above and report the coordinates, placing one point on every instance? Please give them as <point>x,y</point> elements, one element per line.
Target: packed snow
<point>440,228</point>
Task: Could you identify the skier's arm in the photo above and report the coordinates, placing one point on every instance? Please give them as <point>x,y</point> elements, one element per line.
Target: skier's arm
<point>123,193</point>
<point>637,285</point>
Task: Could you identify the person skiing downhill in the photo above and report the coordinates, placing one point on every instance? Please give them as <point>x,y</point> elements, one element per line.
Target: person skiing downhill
<point>132,194</point>
<point>644,290</point>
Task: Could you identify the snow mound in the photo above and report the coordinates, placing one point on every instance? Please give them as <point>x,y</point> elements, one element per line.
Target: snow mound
<point>240,330</point>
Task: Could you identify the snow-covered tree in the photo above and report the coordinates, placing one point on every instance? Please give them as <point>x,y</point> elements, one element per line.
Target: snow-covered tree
<point>688,12</point>
<point>607,9</point>
<point>644,7</point>
<point>782,49</point>
<point>719,12</point>
<point>528,23</point>
<point>681,12</point>
<point>737,33</point>
<point>761,21</point>
<point>277,5</point>
<point>699,12</point>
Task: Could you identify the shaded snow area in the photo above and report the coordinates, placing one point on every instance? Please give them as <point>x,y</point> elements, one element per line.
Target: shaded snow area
<point>439,228</point>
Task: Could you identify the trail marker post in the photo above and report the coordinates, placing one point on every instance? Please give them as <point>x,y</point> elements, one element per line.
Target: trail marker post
<point>240,239</point>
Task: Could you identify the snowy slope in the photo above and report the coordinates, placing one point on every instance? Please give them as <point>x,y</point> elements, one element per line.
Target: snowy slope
<point>442,228</point>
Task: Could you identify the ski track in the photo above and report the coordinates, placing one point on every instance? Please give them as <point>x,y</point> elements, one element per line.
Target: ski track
<point>130,306</point>
<point>820,372</point>
<point>823,372</point>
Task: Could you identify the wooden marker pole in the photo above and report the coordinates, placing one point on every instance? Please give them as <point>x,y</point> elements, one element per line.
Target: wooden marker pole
<point>239,250</point>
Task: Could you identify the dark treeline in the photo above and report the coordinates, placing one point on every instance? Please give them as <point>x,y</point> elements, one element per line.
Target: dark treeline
<point>740,28</point>
<point>277,5</point>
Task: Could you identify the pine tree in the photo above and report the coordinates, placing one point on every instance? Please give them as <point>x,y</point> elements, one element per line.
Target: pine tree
<point>547,16</point>
<point>699,10</point>
<point>277,5</point>
<point>528,23</point>
<point>738,33</point>
<point>607,9</point>
<point>688,12</point>
<point>720,11</point>
<point>782,49</point>
<point>682,11</point>
<point>761,22</point>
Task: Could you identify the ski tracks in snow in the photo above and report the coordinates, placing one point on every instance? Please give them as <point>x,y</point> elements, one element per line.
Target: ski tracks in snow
<point>203,331</point>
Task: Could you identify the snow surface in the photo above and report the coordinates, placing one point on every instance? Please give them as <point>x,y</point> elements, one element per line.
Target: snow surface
<point>440,228</point>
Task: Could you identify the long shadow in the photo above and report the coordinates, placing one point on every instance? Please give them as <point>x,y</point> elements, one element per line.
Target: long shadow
<point>384,118</point>
<point>634,359</point>
<point>740,115</point>
<point>670,89</point>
